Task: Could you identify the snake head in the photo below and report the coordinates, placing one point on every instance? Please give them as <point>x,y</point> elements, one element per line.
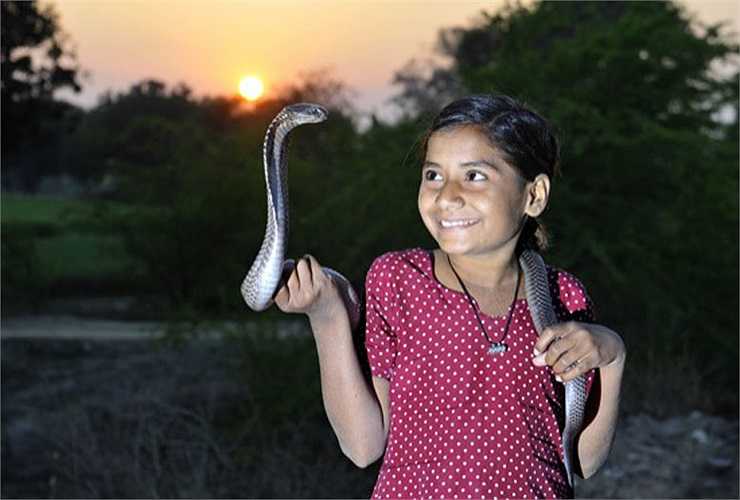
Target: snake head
<point>306,112</point>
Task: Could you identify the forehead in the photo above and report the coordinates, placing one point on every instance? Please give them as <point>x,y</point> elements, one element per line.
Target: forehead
<point>464,142</point>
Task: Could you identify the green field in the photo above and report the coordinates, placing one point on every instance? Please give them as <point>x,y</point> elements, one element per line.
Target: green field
<point>39,209</point>
<point>59,244</point>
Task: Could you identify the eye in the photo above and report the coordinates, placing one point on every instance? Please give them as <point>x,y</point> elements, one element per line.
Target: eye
<point>429,175</point>
<point>470,174</point>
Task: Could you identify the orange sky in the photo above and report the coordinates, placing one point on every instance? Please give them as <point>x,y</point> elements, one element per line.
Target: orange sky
<point>211,44</point>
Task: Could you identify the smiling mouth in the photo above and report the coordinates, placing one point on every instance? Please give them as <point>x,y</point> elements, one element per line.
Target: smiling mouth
<point>457,224</point>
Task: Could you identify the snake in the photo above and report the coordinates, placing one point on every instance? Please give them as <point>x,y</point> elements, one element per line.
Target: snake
<point>543,315</point>
<point>264,277</point>
<point>270,265</point>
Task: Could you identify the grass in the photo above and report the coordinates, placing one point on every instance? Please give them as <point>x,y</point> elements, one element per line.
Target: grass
<point>18,208</point>
<point>62,245</point>
<point>238,419</point>
<point>80,257</point>
<point>241,418</point>
<point>62,214</point>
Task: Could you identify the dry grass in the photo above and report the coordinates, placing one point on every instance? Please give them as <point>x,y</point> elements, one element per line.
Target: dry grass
<point>236,418</point>
<point>118,420</point>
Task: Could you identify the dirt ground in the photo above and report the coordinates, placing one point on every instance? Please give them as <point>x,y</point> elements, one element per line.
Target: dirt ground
<point>49,361</point>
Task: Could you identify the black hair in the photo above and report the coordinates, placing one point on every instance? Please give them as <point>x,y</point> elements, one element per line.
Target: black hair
<point>526,139</point>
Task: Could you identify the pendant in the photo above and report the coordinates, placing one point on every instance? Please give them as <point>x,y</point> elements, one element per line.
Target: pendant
<point>497,347</point>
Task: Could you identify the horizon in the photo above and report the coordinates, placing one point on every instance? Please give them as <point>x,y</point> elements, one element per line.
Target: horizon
<point>223,42</point>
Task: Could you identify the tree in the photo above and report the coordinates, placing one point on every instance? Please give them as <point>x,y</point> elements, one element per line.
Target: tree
<point>36,57</point>
<point>649,192</point>
<point>425,87</point>
<point>189,173</point>
<point>133,128</point>
<point>36,60</point>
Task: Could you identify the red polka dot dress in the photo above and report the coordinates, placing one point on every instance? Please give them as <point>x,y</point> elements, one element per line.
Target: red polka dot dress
<point>464,423</point>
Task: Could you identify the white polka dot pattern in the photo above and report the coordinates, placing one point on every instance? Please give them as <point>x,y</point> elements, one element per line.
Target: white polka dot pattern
<point>464,423</point>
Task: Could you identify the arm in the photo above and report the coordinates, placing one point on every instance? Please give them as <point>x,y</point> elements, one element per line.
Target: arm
<point>356,412</point>
<point>593,346</point>
<point>597,437</point>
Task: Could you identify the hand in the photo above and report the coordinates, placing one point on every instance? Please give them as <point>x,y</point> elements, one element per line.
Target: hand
<point>573,348</point>
<point>308,290</point>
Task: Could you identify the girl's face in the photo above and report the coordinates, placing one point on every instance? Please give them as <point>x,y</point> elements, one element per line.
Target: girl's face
<point>470,199</point>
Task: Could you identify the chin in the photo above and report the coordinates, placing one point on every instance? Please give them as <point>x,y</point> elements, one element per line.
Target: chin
<point>453,242</point>
<point>453,247</point>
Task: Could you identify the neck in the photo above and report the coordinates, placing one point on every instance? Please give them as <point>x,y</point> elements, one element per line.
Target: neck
<point>486,271</point>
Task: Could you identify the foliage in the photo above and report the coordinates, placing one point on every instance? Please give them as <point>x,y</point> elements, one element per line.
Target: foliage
<point>30,31</point>
<point>646,213</point>
<point>40,210</point>
<point>36,60</point>
<point>23,282</point>
<point>53,247</point>
<point>379,190</point>
<point>191,173</point>
<point>425,87</point>
<point>130,128</point>
<point>647,210</point>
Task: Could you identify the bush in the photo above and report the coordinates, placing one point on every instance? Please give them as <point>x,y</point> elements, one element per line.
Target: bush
<point>24,284</point>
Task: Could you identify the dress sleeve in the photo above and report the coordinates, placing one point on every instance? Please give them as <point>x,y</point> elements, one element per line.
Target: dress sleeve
<point>573,300</point>
<point>381,317</point>
<point>572,303</point>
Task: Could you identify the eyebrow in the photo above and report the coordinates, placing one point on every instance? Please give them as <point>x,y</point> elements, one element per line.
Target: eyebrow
<point>475,163</point>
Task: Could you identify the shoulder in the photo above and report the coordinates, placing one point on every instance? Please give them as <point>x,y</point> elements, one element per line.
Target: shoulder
<point>568,291</point>
<point>394,268</point>
<point>398,262</point>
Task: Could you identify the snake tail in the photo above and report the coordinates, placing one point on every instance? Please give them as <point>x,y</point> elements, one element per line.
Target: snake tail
<point>543,315</point>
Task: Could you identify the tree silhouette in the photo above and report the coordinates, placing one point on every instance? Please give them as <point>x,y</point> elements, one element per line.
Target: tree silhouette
<point>37,59</point>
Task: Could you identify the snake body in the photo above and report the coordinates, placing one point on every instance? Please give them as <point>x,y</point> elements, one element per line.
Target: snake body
<point>543,315</point>
<point>264,277</point>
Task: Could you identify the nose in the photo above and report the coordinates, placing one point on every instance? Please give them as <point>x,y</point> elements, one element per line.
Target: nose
<point>450,196</point>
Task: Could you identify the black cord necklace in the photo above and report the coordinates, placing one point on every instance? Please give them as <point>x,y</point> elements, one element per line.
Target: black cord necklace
<point>500,346</point>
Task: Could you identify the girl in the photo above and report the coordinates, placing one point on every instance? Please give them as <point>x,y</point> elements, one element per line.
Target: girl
<point>466,401</point>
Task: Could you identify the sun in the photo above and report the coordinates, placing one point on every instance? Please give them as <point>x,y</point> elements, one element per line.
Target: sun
<point>250,87</point>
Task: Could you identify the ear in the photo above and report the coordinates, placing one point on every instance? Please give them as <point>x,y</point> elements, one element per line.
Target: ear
<point>537,195</point>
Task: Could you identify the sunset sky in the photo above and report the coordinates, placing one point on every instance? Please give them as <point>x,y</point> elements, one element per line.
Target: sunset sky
<point>211,45</point>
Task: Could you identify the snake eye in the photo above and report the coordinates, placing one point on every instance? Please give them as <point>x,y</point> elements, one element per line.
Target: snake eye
<point>319,114</point>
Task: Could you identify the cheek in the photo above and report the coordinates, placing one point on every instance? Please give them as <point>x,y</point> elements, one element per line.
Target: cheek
<point>498,201</point>
<point>422,201</point>
<point>424,204</point>
<point>487,204</point>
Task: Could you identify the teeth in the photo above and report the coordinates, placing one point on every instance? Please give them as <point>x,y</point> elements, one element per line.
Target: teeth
<point>457,223</point>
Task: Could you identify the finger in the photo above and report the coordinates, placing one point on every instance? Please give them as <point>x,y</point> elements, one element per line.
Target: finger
<point>568,360</point>
<point>293,283</point>
<point>560,347</point>
<point>557,347</point>
<point>549,334</point>
<point>282,297</point>
<point>303,268</point>
<point>579,368</point>
<point>317,272</point>
<point>545,343</point>
<point>288,267</point>
<point>573,345</point>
